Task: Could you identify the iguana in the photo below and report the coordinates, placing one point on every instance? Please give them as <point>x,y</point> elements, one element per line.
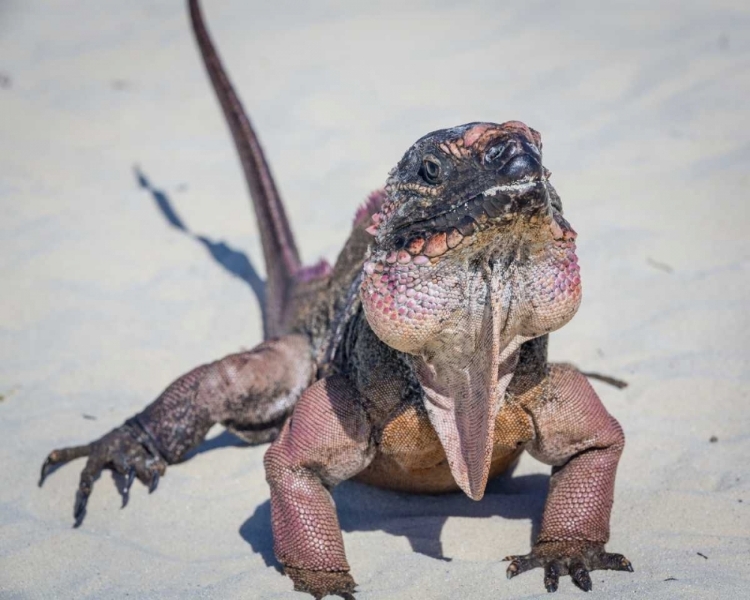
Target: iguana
<point>418,362</point>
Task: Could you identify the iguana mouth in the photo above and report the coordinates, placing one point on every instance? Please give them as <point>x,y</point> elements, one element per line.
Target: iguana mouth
<point>492,202</point>
<point>521,187</point>
<point>433,236</point>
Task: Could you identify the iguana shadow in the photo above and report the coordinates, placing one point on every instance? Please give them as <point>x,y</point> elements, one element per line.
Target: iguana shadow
<point>419,518</point>
<point>233,261</point>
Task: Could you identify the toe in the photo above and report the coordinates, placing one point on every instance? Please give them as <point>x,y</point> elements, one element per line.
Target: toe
<point>551,577</point>
<point>521,564</point>
<point>616,562</point>
<point>580,576</point>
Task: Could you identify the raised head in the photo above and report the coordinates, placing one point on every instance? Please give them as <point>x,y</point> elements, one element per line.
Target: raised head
<point>471,257</point>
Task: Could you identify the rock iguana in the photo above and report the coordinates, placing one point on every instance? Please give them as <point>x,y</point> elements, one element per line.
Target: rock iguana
<point>417,362</point>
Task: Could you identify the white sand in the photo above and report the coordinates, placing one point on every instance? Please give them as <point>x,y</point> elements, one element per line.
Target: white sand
<point>646,120</point>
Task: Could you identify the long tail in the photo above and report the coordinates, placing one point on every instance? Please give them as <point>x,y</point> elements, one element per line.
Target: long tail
<point>279,248</point>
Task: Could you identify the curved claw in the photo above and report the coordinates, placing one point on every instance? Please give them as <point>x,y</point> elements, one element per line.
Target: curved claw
<point>154,483</point>
<point>45,469</point>
<point>126,487</point>
<point>79,510</point>
<point>580,577</point>
<point>60,457</point>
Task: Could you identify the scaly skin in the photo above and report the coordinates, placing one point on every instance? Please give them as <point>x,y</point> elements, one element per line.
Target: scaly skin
<point>417,363</point>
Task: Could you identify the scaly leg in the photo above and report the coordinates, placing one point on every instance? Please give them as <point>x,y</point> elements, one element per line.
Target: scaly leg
<point>327,440</point>
<point>251,393</point>
<point>576,435</point>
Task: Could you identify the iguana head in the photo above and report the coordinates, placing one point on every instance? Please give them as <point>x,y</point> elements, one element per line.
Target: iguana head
<point>471,257</point>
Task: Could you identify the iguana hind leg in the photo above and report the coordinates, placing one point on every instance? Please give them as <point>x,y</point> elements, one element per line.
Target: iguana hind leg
<point>251,393</point>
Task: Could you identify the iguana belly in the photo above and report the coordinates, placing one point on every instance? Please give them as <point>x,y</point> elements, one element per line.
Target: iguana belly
<point>410,457</point>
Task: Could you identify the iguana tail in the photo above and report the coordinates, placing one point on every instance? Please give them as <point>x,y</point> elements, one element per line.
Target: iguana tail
<point>279,249</point>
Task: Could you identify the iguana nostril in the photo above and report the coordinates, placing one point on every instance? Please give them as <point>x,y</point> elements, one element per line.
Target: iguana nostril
<point>497,155</point>
<point>520,166</point>
<point>514,157</point>
<point>493,153</point>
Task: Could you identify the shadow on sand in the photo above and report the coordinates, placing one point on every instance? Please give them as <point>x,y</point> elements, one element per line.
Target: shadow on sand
<point>233,261</point>
<point>419,518</point>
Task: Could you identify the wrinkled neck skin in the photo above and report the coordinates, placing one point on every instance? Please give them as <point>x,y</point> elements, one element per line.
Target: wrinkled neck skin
<point>466,373</point>
<point>464,314</point>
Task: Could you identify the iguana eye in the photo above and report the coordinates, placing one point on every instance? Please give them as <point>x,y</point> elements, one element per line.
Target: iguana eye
<point>431,170</point>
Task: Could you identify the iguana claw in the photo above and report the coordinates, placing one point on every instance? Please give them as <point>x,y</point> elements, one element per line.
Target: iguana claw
<point>126,487</point>
<point>124,450</point>
<point>574,558</point>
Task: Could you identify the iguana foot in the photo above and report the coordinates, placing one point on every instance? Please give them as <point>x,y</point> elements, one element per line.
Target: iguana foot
<point>322,583</point>
<point>574,558</point>
<point>128,450</point>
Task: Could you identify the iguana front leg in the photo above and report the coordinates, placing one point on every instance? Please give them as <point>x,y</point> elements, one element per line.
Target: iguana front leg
<point>251,393</point>
<point>327,440</point>
<point>583,442</point>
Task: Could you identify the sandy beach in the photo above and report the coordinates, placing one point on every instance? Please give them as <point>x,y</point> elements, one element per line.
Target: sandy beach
<point>129,254</point>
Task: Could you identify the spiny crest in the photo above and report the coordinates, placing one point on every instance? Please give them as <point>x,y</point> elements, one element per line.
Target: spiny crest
<point>369,207</point>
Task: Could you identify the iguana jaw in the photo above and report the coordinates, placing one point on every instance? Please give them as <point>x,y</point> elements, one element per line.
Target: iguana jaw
<point>490,207</point>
